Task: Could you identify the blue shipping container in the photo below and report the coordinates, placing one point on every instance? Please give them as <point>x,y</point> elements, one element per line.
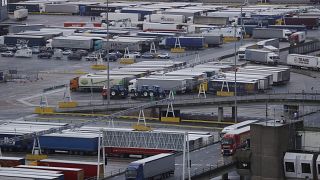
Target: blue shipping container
<point>31,7</point>
<point>257,21</point>
<point>242,87</point>
<point>25,39</point>
<point>88,144</point>
<point>187,42</point>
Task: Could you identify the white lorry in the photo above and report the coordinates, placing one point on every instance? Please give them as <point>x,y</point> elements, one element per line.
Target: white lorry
<point>261,56</point>
<point>20,14</point>
<point>23,53</point>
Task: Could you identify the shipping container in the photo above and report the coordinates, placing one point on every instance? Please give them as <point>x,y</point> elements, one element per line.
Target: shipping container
<point>186,42</point>
<point>303,61</point>
<point>293,28</point>
<point>141,11</point>
<point>210,40</point>
<point>32,7</point>
<point>69,173</point>
<point>25,39</point>
<point>70,142</point>
<point>16,28</point>
<point>256,21</point>
<point>62,8</point>
<point>207,20</point>
<point>243,87</point>
<point>134,17</point>
<point>76,42</point>
<point>268,33</point>
<point>89,168</point>
<point>165,18</point>
<point>11,161</point>
<point>309,22</point>
<point>96,10</point>
<point>147,26</point>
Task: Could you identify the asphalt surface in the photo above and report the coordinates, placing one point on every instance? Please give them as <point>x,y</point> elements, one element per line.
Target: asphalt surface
<point>57,72</point>
<point>200,159</point>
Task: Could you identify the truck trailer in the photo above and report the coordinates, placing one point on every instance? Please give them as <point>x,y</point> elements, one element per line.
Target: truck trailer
<point>261,56</point>
<point>186,42</point>
<point>161,165</point>
<point>20,14</point>
<point>268,33</point>
<point>309,22</point>
<point>303,61</point>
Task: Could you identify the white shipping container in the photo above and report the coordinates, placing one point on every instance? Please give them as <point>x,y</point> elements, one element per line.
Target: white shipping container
<point>303,61</point>
<point>165,18</point>
<point>159,26</point>
<point>134,17</point>
<point>62,8</point>
<point>20,14</point>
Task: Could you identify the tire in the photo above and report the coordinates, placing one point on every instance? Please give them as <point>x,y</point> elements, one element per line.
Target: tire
<point>113,93</point>
<point>160,96</point>
<point>122,93</point>
<point>136,94</point>
<point>145,93</point>
<point>132,91</point>
<point>151,94</point>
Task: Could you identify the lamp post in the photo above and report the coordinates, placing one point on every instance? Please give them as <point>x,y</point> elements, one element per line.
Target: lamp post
<point>108,59</point>
<point>235,75</point>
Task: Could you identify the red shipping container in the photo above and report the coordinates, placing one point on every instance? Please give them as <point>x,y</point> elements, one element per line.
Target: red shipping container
<point>74,24</point>
<point>89,168</point>
<point>69,173</point>
<point>11,161</point>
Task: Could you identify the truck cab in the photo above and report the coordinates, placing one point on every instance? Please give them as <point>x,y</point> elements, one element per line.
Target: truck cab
<point>115,91</point>
<point>273,58</point>
<point>134,172</point>
<point>132,85</point>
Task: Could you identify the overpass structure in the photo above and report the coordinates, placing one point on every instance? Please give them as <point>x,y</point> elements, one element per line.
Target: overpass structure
<point>290,98</point>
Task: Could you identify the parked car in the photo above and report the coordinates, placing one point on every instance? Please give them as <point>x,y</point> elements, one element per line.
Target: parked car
<point>74,56</point>
<point>82,52</point>
<point>112,57</point>
<point>67,52</point>
<point>35,50</point>
<point>7,54</point>
<point>92,57</point>
<point>3,48</point>
<point>12,48</point>
<point>148,55</point>
<point>137,54</point>
<point>44,55</point>
<point>117,53</point>
<point>164,56</point>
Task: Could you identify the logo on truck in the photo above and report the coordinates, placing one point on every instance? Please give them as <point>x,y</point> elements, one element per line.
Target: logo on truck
<point>22,41</point>
<point>163,18</point>
<point>301,60</point>
<point>84,81</point>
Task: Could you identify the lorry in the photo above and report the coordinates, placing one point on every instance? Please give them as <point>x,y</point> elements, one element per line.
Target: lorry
<point>164,83</point>
<point>297,38</point>
<point>23,53</point>
<point>76,42</point>
<point>210,39</point>
<point>20,14</point>
<point>97,82</point>
<point>261,56</point>
<point>303,61</point>
<point>234,140</point>
<point>158,166</point>
<point>242,50</point>
<point>268,33</point>
<point>113,16</point>
<point>186,42</point>
<point>116,91</point>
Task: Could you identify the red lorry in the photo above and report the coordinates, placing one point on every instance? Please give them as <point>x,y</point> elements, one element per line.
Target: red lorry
<point>234,140</point>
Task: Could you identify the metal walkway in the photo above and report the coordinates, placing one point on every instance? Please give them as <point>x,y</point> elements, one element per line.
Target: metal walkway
<point>307,99</point>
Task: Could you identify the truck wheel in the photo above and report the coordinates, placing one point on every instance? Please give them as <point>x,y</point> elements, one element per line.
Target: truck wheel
<point>151,94</point>
<point>136,94</point>
<point>113,93</point>
<point>145,94</point>
<point>160,96</point>
<point>122,93</point>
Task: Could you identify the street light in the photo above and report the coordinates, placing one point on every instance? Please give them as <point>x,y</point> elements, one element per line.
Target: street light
<point>108,59</point>
<point>235,75</point>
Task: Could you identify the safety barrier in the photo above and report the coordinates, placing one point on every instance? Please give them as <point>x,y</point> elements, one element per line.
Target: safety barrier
<point>99,67</point>
<point>177,50</point>
<point>127,61</point>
